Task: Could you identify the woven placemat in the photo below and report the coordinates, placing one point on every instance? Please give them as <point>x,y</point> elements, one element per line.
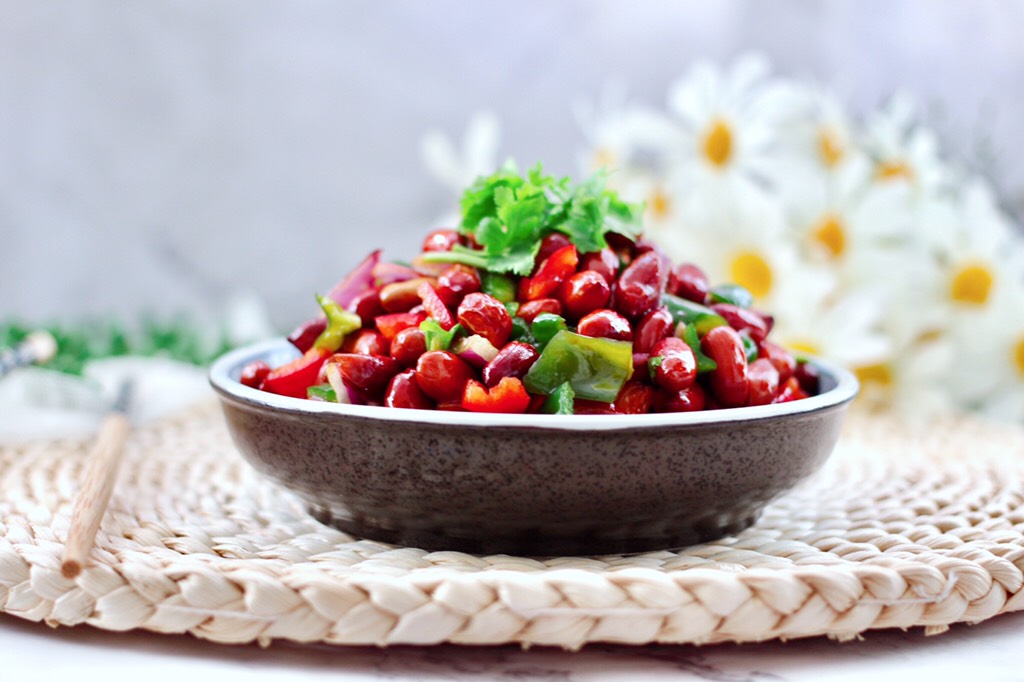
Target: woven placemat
<point>907,525</point>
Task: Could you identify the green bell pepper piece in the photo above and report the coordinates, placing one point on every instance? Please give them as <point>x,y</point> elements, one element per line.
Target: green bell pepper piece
<point>322,392</point>
<point>545,326</point>
<point>340,323</point>
<point>521,331</point>
<point>731,293</point>
<point>687,312</point>
<point>501,287</point>
<point>596,368</point>
<point>436,337</point>
<point>560,401</point>
<point>512,307</point>
<point>749,347</point>
<point>653,363</point>
<point>688,333</point>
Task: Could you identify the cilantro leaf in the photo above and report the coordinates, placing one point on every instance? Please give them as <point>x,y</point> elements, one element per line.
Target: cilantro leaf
<point>479,201</point>
<point>508,215</point>
<point>624,218</point>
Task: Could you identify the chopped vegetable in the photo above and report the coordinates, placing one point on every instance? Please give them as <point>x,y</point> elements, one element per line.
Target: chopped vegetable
<point>508,396</point>
<point>293,378</point>
<point>561,400</point>
<point>545,326</point>
<point>499,286</point>
<point>340,323</point>
<point>322,392</point>
<point>544,300</point>
<point>358,281</point>
<point>703,318</point>
<point>436,336</point>
<point>475,349</point>
<point>508,215</point>
<point>688,333</point>
<point>731,293</point>
<point>595,368</point>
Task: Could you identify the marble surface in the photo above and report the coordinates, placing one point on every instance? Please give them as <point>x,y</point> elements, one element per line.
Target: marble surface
<point>989,651</point>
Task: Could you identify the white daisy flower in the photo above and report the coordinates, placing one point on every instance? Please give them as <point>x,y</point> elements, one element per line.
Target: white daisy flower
<point>625,142</point>
<point>868,247</point>
<point>974,245</point>
<point>749,246</point>
<point>988,370</point>
<point>742,242</point>
<point>831,136</point>
<point>910,379</point>
<point>844,330</point>
<point>824,139</point>
<point>617,134</point>
<point>722,133</point>
<point>842,216</point>
<point>727,126</point>
<point>457,168</point>
<point>903,150</point>
<point>817,145</point>
<point>661,216</point>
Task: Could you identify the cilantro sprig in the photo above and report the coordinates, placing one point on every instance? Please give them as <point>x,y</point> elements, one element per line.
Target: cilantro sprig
<point>508,214</point>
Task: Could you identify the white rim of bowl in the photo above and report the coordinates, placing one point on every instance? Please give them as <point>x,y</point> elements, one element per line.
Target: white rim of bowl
<point>226,369</point>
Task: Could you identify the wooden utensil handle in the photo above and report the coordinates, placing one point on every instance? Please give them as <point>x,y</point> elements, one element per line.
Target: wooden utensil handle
<point>95,493</point>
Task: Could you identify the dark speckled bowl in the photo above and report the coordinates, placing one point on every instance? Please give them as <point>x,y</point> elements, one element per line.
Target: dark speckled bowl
<point>537,485</point>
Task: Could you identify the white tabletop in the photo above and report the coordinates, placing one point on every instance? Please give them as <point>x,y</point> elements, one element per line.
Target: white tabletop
<point>988,652</point>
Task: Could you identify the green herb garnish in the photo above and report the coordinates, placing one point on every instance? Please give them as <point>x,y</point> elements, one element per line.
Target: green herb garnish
<point>508,215</point>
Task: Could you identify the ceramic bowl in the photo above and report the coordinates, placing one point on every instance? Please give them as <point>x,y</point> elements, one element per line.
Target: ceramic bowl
<point>540,485</point>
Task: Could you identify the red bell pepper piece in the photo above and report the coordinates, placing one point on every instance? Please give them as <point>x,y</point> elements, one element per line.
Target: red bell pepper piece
<point>295,377</point>
<point>552,272</point>
<point>390,325</point>
<point>435,307</point>
<point>508,396</point>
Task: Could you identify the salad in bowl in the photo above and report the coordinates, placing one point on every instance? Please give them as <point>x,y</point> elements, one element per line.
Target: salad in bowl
<point>541,380</point>
<point>546,300</point>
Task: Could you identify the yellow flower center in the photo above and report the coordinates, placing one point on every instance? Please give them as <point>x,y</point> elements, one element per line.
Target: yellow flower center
<point>751,271</point>
<point>718,143</point>
<point>829,233</point>
<point>803,347</point>
<point>878,373</point>
<point>830,147</point>
<point>603,158</point>
<point>1018,356</point>
<point>659,204</point>
<point>894,170</point>
<point>971,284</point>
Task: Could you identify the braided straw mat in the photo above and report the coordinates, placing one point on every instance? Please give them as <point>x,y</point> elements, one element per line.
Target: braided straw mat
<point>905,526</point>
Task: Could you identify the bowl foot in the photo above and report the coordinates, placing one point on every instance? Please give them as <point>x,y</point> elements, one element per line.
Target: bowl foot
<point>539,542</point>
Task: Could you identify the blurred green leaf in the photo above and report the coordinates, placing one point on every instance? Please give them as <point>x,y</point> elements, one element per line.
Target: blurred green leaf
<point>180,338</point>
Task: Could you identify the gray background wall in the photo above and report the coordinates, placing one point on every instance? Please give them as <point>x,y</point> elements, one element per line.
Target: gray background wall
<point>159,155</point>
